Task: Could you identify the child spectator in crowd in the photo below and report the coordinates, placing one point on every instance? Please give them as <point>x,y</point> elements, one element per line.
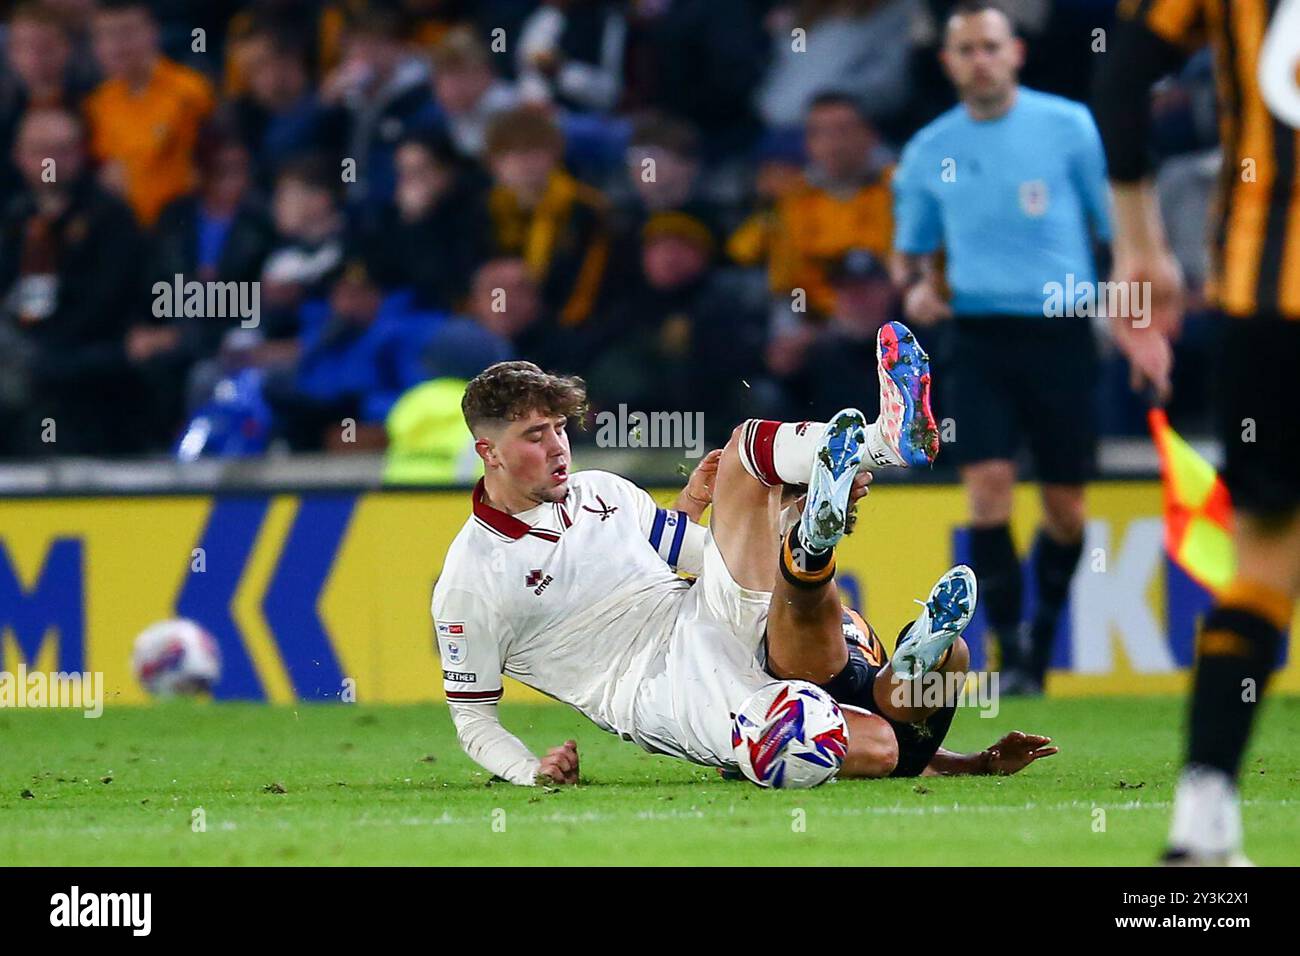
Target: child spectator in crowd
<point>468,94</point>
<point>541,214</point>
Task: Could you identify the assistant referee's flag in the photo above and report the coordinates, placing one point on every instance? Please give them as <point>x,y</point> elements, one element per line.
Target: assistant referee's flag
<point>1198,511</point>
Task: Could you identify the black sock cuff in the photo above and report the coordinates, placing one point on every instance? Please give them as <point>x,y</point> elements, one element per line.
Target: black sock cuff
<point>1261,639</point>
<point>812,570</point>
<point>992,541</point>
<point>1048,552</point>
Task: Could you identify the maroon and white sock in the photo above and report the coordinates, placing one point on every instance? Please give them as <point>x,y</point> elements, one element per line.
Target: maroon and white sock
<point>780,453</point>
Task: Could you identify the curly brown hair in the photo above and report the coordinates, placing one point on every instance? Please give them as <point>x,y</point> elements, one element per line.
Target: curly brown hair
<point>508,391</point>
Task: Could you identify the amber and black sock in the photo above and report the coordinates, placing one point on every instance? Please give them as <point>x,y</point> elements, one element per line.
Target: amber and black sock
<point>1237,649</point>
<point>802,566</point>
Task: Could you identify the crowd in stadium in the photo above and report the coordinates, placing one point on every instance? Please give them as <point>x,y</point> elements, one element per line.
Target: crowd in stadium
<point>674,199</point>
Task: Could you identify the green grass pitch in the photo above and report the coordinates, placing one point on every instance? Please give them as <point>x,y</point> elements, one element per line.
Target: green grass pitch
<point>367,784</point>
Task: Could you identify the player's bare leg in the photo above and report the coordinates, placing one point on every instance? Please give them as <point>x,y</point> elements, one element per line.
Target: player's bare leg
<point>805,640</point>
<point>762,456</point>
<point>745,514</point>
<point>804,636</point>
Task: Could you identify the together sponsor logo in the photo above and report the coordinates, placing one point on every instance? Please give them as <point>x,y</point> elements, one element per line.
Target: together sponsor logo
<point>75,690</point>
<point>76,909</point>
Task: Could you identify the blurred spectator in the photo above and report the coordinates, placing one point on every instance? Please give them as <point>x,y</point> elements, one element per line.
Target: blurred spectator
<point>145,116</point>
<point>309,227</point>
<point>278,114</point>
<point>77,17</point>
<point>677,339</point>
<point>377,94</point>
<point>540,213</point>
<point>664,172</point>
<point>570,52</point>
<point>508,191</point>
<point>38,51</point>
<point>663,166</point>
<point>467,93</point>
<point>428,440</point>
<point>317,25</point>
<point>843,202</point>
<point>354,361</point>
<point>435,233</point>
<point>855,47</point>
<point>69,280</point>
<point>842,356</point>
<point>504,301</point>
<point>701,60</point>
<point>215,235</point>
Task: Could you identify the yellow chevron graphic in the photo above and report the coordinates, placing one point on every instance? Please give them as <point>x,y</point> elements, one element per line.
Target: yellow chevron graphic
<point>246,606</point>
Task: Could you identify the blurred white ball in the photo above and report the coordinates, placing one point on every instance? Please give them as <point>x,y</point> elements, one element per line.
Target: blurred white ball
<point>176,657</point>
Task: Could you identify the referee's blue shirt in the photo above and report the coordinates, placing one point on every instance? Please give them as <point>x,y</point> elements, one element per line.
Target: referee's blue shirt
<point>1015,202</point>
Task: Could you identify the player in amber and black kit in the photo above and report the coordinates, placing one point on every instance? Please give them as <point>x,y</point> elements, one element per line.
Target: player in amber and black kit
<point>1255,286</point>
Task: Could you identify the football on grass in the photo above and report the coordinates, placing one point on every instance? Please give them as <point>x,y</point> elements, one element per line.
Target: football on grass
<point>176,658</point>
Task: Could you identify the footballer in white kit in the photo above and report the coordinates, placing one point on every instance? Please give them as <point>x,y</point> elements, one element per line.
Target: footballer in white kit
<point>572,584</point>
<point>580,599</point>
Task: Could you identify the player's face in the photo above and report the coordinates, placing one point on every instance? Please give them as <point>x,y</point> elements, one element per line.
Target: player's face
<point>982,56</point>
<point>532,456</point>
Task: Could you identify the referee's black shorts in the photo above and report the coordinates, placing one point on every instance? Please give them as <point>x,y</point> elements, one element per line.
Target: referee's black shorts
<point>1258,412</point>
<point>1012,381</point>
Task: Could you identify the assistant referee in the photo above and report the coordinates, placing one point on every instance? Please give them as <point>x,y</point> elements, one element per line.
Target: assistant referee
<point>1011,185</point>
<point>1255,289</point>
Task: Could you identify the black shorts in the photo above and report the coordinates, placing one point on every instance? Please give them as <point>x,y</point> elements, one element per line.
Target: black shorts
<point>1258,412</point>
<point>1010,381</point>
<point>917,743</point>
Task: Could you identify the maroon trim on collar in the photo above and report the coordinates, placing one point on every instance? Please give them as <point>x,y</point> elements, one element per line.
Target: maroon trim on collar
<point>497,520</point>
<point>509,525</point>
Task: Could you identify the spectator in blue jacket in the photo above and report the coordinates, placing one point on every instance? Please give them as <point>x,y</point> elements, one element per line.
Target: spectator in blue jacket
<point>355,358</point>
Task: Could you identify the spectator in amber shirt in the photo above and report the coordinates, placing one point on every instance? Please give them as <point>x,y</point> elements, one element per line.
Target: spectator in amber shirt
<point>146,115</point>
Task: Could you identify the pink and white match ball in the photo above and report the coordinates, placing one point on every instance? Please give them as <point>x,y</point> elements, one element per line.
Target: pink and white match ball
<point>176,658</point>
<point>791,735</point>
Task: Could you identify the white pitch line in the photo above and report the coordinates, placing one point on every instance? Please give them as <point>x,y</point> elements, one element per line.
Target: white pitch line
<point>693,813</point>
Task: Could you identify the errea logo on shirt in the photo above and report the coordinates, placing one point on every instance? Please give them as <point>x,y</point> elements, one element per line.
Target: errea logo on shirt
<point>536,580</point>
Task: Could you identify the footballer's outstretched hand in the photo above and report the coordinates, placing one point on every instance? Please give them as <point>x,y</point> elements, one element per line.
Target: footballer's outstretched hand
<point>1016,751</point>
<point>698,493</point>
<point>560,765</point>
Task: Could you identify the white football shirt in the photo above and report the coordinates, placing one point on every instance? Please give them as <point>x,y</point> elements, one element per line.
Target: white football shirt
<point>575,599</point>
